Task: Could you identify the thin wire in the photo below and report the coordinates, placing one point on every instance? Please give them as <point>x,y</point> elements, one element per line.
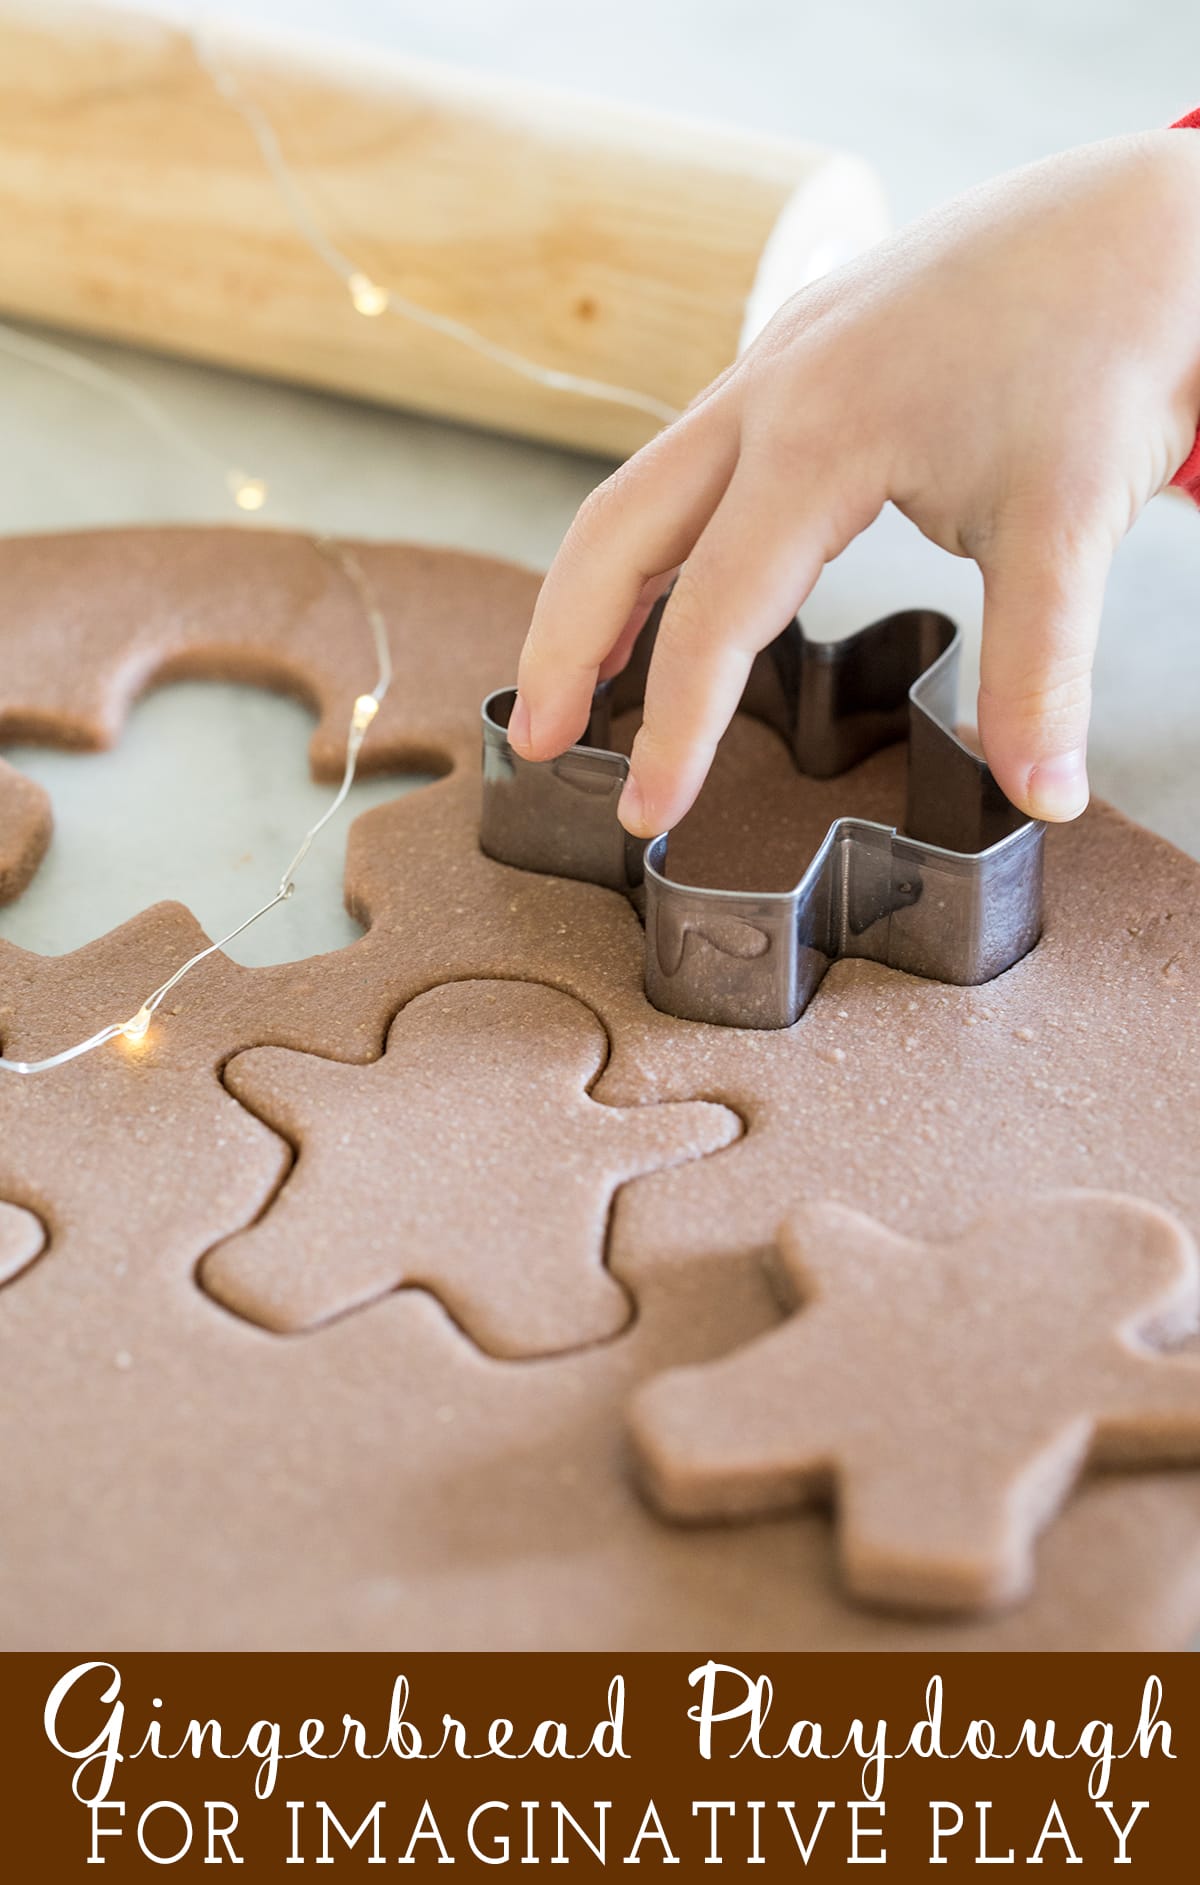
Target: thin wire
<point>362,715</point>
<point>351,276</point>
<point>99,379</point>
<point>365,708</point>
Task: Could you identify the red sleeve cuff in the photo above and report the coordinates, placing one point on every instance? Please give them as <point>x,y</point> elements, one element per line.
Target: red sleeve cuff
<point>1188,475</point>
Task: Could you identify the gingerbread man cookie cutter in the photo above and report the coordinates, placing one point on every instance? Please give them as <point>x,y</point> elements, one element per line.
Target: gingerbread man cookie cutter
<point>956,896</point>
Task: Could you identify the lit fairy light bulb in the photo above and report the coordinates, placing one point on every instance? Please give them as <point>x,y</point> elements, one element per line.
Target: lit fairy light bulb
<point>367,295</point>
<point>249,494</point>
<point>138,1025</point>
<point>365,709</point>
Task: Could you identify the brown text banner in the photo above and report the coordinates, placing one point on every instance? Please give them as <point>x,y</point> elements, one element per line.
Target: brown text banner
<point>143,1765</point>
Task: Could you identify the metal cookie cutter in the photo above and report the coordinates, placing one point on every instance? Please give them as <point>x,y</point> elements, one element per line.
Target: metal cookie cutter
<point>956,896</point>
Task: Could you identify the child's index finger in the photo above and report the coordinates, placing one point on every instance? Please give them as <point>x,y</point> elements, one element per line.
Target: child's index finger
<point>639,523</point>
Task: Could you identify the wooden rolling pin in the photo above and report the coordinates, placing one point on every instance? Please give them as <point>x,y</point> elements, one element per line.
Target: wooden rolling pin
<point>627,248</point>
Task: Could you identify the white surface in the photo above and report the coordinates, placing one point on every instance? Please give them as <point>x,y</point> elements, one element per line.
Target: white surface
<point>165,815</point>
<point>937,95</point>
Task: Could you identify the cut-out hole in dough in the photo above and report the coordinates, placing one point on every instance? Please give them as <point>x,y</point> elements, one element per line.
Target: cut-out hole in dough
<point>205,799</point>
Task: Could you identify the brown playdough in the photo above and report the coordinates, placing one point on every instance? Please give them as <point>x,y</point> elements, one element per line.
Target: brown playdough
<point>948,1394</point>
<point>25,826</point>
<point>21,1238</point>
<point>186,1478</point>
<point>92,620</point>
<point>460,1163</point>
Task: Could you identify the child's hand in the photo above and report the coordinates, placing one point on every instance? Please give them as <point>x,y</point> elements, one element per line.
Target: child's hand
<point>1019,373</point>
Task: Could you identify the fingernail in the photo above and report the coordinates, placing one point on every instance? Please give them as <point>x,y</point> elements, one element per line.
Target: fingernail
<point>630,807</point>
<point>518,725</point>
<point>1058,787</point>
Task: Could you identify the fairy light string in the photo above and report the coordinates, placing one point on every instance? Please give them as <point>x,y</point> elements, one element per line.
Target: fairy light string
<point>371,298</point>
<point>135,1027</point>
<point>248,493</point>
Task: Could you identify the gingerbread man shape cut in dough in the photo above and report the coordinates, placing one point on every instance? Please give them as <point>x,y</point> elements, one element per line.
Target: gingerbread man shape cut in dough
<point>469,1161</point>
<point>948,1395</point>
